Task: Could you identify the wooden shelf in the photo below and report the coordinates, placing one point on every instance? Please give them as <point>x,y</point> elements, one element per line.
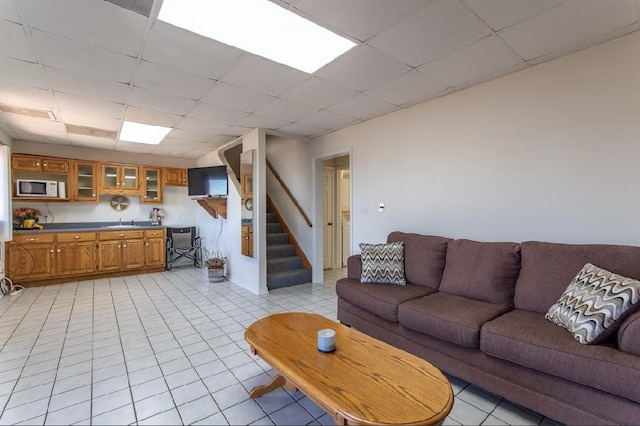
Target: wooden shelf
<point>214,206</point>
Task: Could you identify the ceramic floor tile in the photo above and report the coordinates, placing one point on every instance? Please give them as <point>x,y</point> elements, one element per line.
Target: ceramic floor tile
<point>197,410</point>
<point>153,405</point>
<point>150,388</point>
<point>466,413</point>
<point>479,398</point>
<point>170,417</point>
<point>292,414</point>
<point>72,397</point>
<point>190,392</point>
<point>120,416</point>
<point>69,415</point>
<point>244,413</point>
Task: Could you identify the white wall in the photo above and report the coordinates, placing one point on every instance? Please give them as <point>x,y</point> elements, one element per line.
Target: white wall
<point>549,153</point>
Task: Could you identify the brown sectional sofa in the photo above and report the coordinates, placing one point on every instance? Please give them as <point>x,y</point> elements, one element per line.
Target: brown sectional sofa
<point>476,311</point>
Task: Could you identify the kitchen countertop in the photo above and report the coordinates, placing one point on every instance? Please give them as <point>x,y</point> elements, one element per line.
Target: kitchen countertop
<point>90,226</point>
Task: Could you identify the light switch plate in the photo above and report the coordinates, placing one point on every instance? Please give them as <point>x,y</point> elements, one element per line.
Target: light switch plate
<point>381,207</point>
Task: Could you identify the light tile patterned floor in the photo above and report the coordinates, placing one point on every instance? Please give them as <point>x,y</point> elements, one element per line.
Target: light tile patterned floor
<point>165,348</point>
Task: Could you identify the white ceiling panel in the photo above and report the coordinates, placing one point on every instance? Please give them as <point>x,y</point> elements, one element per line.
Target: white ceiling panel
<point>360,19</point>
<point>70,55</point>
<point>82,103</point>
<point>20,46</point>
<point>263,75</point>
<point>17,71</point>
<point>189,135</point>
<point>25,96</point>
<point>144,98</point>
<point>81,118</point>
<point>327,120</point>
<point>80,84</point>
<point>503,13</point>
<point>237,131</point>
<point>318,93</point>
<point>407,88</point>
<point>254,120</point>
<point>141,148</point>
<point>148,116</point>
<point>9,12</point>
<point>168,80</point>
<point>218,114</point>
<point>246,100</point>
<point>362,106</point>
<point>204,126</point>
<point>286,110</point>
<point>297,129</point>
<point>484,59</point>
<point>22,122</point>
<point>571,23</point>
<point>362,68</point>
<point>92,142</point>
<point>189,52</point>
<point>438,30</point>
<point>76,20</point>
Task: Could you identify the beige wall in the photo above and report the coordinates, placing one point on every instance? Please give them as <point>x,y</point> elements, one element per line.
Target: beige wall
<point>549,153</point>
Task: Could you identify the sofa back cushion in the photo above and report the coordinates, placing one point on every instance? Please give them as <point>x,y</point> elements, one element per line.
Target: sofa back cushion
<point>482,270</point>
<point>548,268</point>
<point>424,257</point>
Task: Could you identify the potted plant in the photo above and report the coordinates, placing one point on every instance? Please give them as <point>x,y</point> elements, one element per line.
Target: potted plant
<point>214,261</point>
<point>26,216</point>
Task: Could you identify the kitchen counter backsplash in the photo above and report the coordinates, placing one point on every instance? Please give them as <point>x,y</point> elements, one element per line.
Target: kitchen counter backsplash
<point>90,226</point>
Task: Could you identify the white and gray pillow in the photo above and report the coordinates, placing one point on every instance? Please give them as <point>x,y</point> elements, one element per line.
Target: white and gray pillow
<point>383,263</point>
<point>595,303</point>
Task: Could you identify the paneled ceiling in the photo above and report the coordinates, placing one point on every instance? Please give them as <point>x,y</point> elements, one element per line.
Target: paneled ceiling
<point>95,63</point>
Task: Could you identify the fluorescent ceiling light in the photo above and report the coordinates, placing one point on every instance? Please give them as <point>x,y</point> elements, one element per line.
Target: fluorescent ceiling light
<point>260,27</point>
<point>143,133</point>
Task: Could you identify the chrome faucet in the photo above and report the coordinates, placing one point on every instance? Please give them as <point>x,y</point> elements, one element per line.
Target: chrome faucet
<point>120,221</point>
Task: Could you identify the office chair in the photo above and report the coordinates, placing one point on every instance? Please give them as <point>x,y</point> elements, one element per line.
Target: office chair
<point>183,243</point>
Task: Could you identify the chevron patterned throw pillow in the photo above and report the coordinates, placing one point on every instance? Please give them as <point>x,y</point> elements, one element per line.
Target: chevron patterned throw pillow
<point>383,263</point>
<point>595,303</point>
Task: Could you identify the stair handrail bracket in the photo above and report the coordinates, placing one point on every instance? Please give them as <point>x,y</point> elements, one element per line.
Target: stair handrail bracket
<point>289,194</point>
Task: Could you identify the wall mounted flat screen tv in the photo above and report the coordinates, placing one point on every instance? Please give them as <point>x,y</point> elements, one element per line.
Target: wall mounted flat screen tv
<point>208,181</point>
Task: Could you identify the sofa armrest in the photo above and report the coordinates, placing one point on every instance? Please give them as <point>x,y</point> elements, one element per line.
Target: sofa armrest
<point>354,266</point>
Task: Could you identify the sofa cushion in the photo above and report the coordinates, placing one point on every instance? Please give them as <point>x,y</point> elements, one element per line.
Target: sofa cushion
<point>448,317</point>
<point>629,335</point>
<point>528,339</point>
<point>379,299</point>
<point>547,268</point>
<point>482,271</point>
<point>594,304</point>
<point>424,257</point>
<point>383,263</point>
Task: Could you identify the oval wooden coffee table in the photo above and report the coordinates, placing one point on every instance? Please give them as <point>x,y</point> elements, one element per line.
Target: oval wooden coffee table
<point>365,381</point>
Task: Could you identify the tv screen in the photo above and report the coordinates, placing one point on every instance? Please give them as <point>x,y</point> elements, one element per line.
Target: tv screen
<point>208,182</point>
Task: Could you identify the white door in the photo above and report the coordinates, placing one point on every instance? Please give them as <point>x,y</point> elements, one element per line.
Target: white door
<point>328,208</point>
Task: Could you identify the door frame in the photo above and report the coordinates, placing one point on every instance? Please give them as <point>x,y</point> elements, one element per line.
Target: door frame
<point>317,212</point>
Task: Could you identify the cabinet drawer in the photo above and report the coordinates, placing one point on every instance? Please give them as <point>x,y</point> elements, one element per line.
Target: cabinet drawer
<point>120,235</point>
<point>33,238</point>
<point>154,233</point>
<point>68,237</point>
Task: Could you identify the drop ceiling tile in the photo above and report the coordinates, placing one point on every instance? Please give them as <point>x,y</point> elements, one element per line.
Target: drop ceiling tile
<point>362,106</point>
<point>327,120</point>
<point>237,131</point>
<point>148,116</point>
<point>441,28</point>
<point>143,148</point>
<point>503,13</point>
<point>168,80</point>
<point>92,142</point>
<point>360,19</point>
<point>22,72</point>
<point>9,12</point>
<point>189,135</point>
<point>362,68</point>
<point>117,29</point>
<point>82,103</point>
<point>297,129</point>
<point>80,84</point>
<point>482,60</point>
<point>218,114</point>
<point>410,87</point>
<point>184,50</point>
<point>567,25</point>
<point>286,110</point>
<point>254,120</point>
<point>70,55</point>
<point>20,46</point>
<point>81,118</point>
<point>237,98</point>
<point>33,124</point>
<point>202,126</point>
<point>26,96</point>
<point>263,75</point>
<point>318,93</point>
<point>144,98</point>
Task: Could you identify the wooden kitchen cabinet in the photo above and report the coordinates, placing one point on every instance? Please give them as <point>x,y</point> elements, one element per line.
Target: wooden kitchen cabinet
<point>76,258</point>
<point>247,240</point>
<point>151,185</point>
<point>119,179</point>
<point>84,181</point>
<point>120,250</point>
<point>31,163</point>
<point>246,185</point>
<point>155,248</point>
<point>174,177</point>
<point>30,257</point>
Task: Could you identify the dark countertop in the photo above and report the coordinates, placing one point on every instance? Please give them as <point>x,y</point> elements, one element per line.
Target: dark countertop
<point>90,226</point>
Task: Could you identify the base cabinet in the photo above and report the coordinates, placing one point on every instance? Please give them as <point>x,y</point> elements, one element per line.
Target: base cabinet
<point>30,261</point>
<point>75,258</point>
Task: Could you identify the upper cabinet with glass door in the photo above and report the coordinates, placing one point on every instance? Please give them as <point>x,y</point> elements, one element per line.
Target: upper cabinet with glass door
<point>151,185</point>
<point>84,181</point>
<point>119,179</point>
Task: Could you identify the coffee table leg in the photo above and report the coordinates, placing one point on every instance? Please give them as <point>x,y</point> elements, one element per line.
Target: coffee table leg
<point>275,383</point>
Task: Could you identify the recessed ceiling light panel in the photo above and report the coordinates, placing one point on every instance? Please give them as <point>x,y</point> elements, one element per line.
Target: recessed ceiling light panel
<point>143,133</point>
<point>260,27</point>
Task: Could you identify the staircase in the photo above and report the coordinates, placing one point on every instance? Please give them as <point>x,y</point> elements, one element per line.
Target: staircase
<point>284,267</point>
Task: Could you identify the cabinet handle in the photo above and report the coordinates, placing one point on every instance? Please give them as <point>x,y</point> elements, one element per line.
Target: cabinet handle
<point>93,195</point>
<point>44,164</point>
<point>37,164</point>
<point>75,237</point>
<point>124,245</point>
<point>147,244</point>
<point>32,239</point>
<point>117,183</point>
<point>122,235</point>
<point>119,246</point>
<point>51,251</point>
<point>58,250</point>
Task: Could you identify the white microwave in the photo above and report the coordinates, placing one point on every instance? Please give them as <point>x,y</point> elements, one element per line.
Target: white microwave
<point>36,188</point>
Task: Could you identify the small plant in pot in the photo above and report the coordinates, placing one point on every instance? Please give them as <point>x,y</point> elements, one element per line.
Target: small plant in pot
<point>214,261</point>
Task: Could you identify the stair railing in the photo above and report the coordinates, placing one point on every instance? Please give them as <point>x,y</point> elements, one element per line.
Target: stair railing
<point>288,192</point>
